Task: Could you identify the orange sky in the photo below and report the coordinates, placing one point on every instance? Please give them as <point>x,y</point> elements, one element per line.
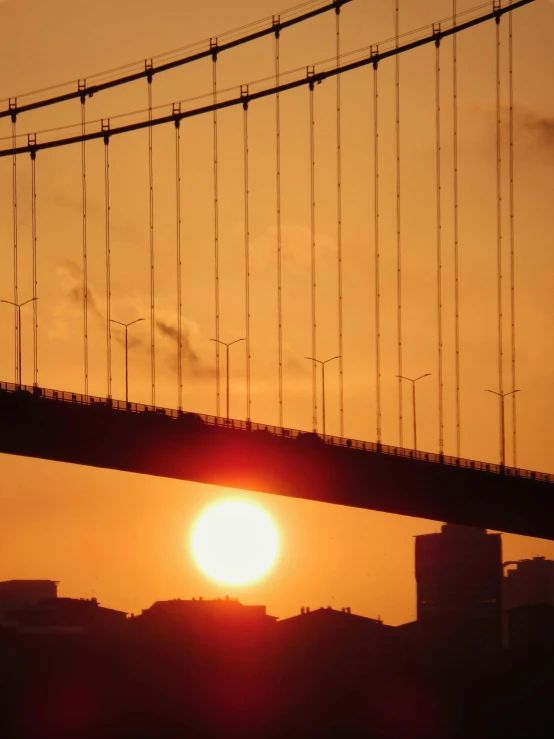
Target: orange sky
<point>123,538</point>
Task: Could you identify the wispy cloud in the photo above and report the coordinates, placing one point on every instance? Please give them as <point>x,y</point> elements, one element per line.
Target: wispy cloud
<point>76,290</point>
<point>532,129</point>
<point>192,362</point>
<point>540,127</point>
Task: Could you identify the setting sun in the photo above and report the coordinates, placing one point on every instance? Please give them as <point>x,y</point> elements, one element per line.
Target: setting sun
<point>234,542</point>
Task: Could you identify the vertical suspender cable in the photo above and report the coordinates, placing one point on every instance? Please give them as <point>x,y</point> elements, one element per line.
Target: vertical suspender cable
<point>216,230</point>
<point>313,251</point>
<point>279,244</point>
<point>247,258</point>
<point>339,229</point>
<point>179,277</point>
<point>152,284</point>
<point>34,257</point>
<point>377,253</point>
<point>439,240</point>
<point>512,242</point>
<point>456,254</point>
<point>15,254</point>
<point>499,233</point>
<point>108,264</point>
<point>85,260</point>
<point>398,234</point>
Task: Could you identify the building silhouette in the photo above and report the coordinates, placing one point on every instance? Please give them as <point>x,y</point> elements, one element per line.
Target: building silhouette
<point>327,637</point>
<point>530,583</point>
<point>459,589</point>
<point>212,632</point>
<point>528,601</point>
<point>65,616</point>
<point>16,594</point>
<point>200,613</point>
<point>209,668</point>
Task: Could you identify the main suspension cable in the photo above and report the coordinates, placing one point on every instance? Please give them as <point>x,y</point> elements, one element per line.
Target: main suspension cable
<point>247,258</point>
<point>195,56</point>
<point>439,240</point>
<point>456,249</point>
<point>213,43</point>
<point>279,235</point>
<point>339,230</point>
<point>512,242</point>
<point>108,261</point>
<point>358,63</point>
<point>85,258</point>
<point>499,236</point>
<point>377,252</point>
<point>15,252</point>
<point>398,235</point>
<point>34,259</point>
<point>313,251</point>
<point>179,275</point>
<point>152,274</point>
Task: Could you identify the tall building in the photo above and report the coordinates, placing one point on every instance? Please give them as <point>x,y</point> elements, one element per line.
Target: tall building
<point>16,594</point>
<point>530,583</point>
<point>528,602</point>
<point>459,586</point>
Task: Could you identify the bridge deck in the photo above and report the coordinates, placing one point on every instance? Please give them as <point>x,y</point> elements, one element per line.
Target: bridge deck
<point>95,431</point>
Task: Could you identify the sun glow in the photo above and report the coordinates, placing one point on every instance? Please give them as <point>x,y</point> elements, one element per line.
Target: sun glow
<point>234,542</point>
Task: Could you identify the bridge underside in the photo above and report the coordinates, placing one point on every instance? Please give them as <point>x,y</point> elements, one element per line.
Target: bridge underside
<point>189,449</point>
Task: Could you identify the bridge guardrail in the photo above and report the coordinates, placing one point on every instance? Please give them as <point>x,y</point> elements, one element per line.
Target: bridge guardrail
<point>368,446</point>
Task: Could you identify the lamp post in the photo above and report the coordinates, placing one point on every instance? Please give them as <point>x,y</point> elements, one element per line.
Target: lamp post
<point>126,327</point>
<point>322,363</point>
<point>227,345</point>
<point>502,432</point>
<point>413,381</point>
<point>19,306</point>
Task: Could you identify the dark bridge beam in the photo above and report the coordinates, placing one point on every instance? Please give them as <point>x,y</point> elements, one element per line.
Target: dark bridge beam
<point>186,448</point>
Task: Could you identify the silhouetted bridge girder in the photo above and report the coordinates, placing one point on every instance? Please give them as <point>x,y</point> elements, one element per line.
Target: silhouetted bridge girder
<point>66,427</point>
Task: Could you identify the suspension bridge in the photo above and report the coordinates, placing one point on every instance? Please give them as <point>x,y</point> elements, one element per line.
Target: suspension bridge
<point>191,444</point>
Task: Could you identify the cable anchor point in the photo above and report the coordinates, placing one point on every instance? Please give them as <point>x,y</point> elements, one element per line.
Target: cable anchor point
<point>31,143</point>
<point>106,130</point>
<point>148,67</point>
<point>276,25</point>
<point>244,96</point>
<point>214,48</point>
<point>374,55</point>
<point>13,107</point>
<point>437,34</point>
<point>176,114</point>
<point>84,90</point>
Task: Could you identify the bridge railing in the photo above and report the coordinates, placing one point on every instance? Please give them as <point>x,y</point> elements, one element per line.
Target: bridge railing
<point>308,437</point>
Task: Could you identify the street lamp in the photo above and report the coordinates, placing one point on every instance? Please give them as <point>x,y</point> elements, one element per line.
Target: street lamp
<point>502,434</point>
<point>126,327</point>
<point>19,306</point>
<point>413,381</point>
<point>227,345</point>
<point>322,363</point>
